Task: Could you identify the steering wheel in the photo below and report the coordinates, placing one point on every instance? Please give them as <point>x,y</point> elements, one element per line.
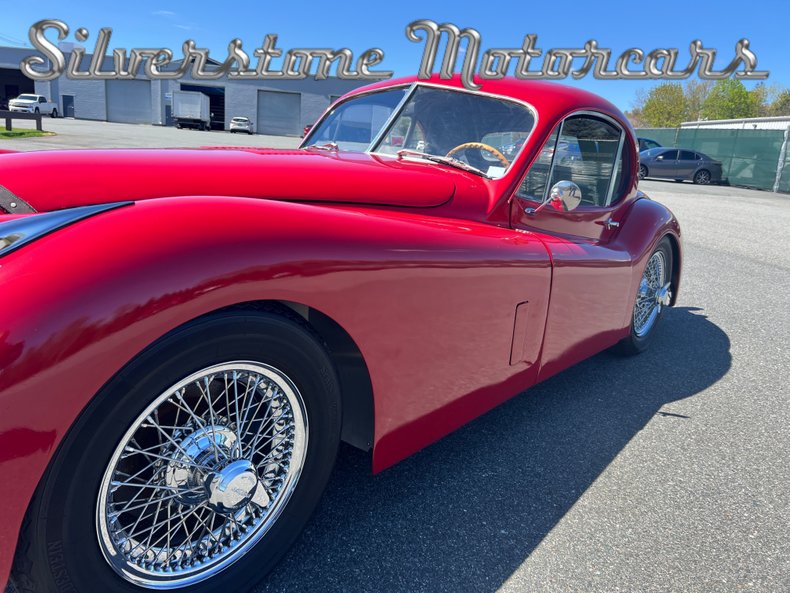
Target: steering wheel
<point>479,145</point>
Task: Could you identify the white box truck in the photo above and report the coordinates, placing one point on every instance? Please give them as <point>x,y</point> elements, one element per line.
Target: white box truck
<point>191,110</point>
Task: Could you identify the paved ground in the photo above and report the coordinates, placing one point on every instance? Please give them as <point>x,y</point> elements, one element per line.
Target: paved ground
<point>80,133</point>
<point>669,471</point>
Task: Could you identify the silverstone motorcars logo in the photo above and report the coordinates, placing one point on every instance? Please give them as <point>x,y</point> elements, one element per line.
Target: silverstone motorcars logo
<point>320,63</point>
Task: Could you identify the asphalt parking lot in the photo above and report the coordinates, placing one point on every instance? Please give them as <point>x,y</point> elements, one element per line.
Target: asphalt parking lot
<point>81,133</point>
<point>666,472</point>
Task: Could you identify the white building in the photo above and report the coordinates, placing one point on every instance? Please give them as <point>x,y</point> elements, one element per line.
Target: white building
<point>748,123</point>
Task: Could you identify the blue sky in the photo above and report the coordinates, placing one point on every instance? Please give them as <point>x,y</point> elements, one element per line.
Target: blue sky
<point>361,25</point>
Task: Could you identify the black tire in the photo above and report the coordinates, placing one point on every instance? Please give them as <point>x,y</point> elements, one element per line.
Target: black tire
<point>642,171</point>
<point>634,343</point>
<point>59,550</point>
<point>178,126</point>
<point>702,177</point>
<point>37,110</point>
<point>54,114</point>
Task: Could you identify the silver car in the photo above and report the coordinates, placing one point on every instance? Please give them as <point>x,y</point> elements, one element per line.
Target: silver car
<point>679,164</point>
<point>241,124</point>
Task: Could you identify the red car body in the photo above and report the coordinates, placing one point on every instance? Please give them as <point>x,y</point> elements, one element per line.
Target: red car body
<point>454,300</point>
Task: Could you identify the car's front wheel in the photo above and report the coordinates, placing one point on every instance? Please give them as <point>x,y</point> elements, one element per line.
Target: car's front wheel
<point>642,171</point>
<point>652,298</point>
<point>194,469</point>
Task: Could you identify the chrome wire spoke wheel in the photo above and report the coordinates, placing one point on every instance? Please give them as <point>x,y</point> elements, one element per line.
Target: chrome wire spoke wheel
<point>653,294</point>
<point>202,474</point>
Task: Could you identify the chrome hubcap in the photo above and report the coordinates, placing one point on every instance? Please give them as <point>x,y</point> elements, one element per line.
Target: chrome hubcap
<point>201,475</point>
<point>653,294</point>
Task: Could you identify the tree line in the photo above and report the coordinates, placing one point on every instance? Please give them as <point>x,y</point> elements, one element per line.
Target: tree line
<point>670,103</point>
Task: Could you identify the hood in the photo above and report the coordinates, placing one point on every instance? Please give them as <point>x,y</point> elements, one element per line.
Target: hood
<point>52,180</point>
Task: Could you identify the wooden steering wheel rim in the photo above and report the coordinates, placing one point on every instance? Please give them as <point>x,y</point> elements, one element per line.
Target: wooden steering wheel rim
<point>500,157</point>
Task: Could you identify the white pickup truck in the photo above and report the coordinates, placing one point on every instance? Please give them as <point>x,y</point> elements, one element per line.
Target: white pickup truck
<point>33,104</point>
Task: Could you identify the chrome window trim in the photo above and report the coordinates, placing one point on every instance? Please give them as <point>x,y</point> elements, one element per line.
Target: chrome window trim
<point>391,119</point>
<point>412,87</point>
<point>547,187</point>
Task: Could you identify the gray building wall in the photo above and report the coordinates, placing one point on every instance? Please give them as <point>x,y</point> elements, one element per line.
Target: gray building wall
<point>241,96</point>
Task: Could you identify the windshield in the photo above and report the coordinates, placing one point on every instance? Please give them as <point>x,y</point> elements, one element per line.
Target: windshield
<point>27,97</point>
<point>478,130</point>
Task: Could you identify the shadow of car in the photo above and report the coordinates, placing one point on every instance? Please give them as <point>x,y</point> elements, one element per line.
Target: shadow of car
<point>679,164</point>
<point>500,484</point>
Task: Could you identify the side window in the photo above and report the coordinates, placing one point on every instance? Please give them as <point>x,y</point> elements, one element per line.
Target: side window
<point>534,187</point>
<point>687,155</point>
<point>669,155</point>
<point>587,154</point>
<point>42,100</point>
<point>585,150</point>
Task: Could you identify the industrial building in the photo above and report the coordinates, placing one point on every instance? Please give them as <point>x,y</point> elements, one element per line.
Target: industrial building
<point>12,81</point>
<point>280,108</point>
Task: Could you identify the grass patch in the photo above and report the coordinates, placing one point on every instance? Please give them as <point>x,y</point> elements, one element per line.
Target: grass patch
<point>5,134</point>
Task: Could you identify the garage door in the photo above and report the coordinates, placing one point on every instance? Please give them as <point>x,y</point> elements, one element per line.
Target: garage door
<point>129,101</point>
<point>279,114</point>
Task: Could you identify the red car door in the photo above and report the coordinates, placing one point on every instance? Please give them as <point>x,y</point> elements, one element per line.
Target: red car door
<point>591,276</point>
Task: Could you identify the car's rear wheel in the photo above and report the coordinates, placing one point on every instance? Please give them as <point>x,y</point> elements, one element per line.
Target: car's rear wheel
<point>194,469</point>
<point>54,113</point>
<point>702,177</point>
<point>642,171</point>
<point>652,298</point>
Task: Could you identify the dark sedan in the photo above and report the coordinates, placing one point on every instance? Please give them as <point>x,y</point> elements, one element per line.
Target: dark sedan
<point>679,164</point>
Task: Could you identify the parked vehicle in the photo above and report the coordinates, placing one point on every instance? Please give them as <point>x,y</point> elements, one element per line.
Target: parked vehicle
<point>679,164</point>
<point>241,124</point>
<point>173,400</point>
<point>33,104</point>
<point>191,110</point>
<point>647,144</point>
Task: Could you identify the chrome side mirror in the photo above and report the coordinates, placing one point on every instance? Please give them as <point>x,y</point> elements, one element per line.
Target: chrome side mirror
<point>564,196</point>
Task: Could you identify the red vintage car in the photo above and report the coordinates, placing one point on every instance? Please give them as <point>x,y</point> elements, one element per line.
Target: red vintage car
<point>186,335</point>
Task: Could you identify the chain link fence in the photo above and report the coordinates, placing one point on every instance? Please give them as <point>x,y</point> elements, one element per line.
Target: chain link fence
<point>750,158</point>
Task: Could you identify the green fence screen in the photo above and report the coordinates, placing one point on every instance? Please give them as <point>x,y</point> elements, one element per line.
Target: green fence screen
<point>750,158</point>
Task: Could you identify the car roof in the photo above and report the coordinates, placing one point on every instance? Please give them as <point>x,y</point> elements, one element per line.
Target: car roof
<point>550,99</point>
